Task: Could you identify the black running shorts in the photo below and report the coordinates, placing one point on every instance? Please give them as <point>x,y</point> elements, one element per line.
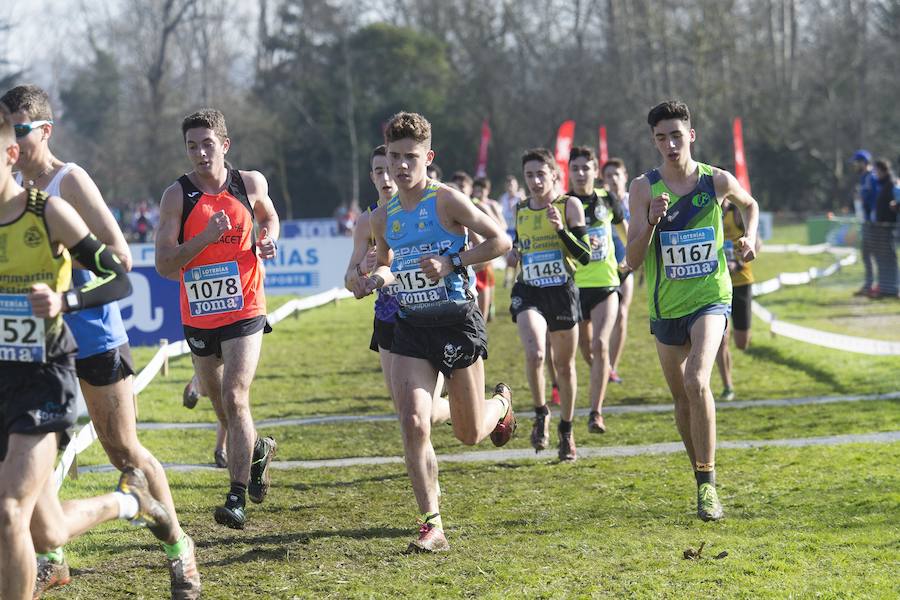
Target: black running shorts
<point>559,304</point>
<point>37,398</point>
<point>741,314</point>
<point>591,297</point>
<point>206,342</point>
<point>382,335</point>
<point>447,347</point>
<point>107,367</point>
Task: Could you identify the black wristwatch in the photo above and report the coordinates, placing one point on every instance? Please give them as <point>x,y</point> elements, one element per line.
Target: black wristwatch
<point>456,261</point>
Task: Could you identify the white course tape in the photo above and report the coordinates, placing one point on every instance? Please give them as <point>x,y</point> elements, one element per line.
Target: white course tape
<point>87,434</point>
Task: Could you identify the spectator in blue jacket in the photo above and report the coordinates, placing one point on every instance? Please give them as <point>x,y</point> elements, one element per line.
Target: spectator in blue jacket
<point>867,193</point>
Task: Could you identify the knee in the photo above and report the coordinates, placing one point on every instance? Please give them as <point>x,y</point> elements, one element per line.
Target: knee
<point>414,426</point>
<point>742,342</point>
<point>695,388</point>
<point>600,348</point>
<point>469,438</point>
<point>535,358</point>
<point>13,516</point>
<point>565,370</point>
<point>47,538</point>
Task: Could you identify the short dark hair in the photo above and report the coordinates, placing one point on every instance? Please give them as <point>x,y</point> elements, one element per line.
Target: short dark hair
<point>461,176</point>
<point>206,118</point>
<point>405,125</point>
<point>582,151</point>
<point>670,109</point>
<point>482,182</point>
<point>438,173</point>
<point>30,99</point>
<point>6,125</point>
<point>883,164</point>
<point>380,150</point>
<point>614,162</point>
<point>541,155</point>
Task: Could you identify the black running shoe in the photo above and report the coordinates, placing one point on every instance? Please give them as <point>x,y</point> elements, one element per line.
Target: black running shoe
<point>263,453</point>
<point>232,513</point>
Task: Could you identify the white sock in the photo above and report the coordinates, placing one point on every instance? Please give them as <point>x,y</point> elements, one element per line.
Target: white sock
<point>128,505</point>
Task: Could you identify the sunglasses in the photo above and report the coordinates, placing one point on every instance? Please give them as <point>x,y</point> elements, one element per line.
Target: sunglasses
<point>23,129</point>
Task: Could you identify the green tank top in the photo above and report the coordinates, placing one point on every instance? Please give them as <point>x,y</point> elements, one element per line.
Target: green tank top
<point>602,271</point>
<point>685,264</point>
<point>545,261</point>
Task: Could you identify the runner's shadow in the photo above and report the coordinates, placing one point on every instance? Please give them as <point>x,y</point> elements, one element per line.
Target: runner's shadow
<point>778,357</point>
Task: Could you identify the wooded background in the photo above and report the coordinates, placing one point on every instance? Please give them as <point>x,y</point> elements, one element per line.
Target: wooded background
<point>306,86</point>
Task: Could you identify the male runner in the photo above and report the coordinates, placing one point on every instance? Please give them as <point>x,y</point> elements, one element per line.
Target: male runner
<point>678,219</point>
<point>464,181</point>
<point>103,363</point>
<point>362,262</point>
<point>37,374</point>
<point>484,274</point>
<point>615,180</point>
<point>550,239</point>
<point>598,281</point>
<point>206,239</point>
<point>421,237</point>
<point>741,284</point>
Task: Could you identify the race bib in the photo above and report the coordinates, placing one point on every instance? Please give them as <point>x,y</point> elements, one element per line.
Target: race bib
<point>412,287</point>
<point>214,289</point>
<point>729,250</point>
<point>544,269</point>
<point>22,337</point>
<point>690,253</point>
<point>599,243</point>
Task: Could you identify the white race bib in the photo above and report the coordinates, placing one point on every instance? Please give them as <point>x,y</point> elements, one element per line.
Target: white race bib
<point>599,243</point>
<point>544,269</point>
<point>412,287</point>
<point>689,253</point>
<point>22,337</point>
<point>214,289</point>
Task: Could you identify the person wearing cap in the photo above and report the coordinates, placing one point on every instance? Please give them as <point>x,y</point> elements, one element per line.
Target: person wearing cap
<point>866,193</point>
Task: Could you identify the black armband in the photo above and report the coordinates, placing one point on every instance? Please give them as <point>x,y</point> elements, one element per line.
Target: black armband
<point>575,240</point>
<point>112,281</point>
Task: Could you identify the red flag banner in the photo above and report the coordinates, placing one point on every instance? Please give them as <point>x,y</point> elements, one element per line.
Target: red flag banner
<point>481,168</point>
<point>740,160</point>
<point>604,151</point>
<point>564,138</point>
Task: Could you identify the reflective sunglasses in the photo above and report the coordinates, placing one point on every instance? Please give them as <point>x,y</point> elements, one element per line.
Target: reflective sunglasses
<point>23,129</point>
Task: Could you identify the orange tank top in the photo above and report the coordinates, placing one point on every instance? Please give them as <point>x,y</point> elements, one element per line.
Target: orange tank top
<point>224,283</point>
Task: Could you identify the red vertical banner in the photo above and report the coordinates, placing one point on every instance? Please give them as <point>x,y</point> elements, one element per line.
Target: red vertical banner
<point>481,167</point>
<point>603,155</point>
<point>740,160</point>
<point>564,138</point>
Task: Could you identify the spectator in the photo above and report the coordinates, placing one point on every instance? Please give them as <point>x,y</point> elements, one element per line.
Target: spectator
<point>884,244</point>
<point>434,172</point>
<point>867,191</point>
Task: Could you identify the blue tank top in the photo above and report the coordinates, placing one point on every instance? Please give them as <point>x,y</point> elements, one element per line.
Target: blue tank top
<point>97,329</point>
<point>386,305</point>
<point>618,243</point>
<point>410,235</point>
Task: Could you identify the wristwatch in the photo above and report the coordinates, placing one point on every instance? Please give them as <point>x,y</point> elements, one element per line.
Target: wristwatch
<point>456,261</point>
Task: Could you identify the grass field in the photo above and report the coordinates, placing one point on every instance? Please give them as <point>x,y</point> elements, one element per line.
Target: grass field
<point>800,522</point>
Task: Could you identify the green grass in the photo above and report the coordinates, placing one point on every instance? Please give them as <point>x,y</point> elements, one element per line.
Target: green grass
<point>811,522</point>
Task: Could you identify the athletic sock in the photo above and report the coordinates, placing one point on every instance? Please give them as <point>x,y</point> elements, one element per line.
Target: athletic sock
<point>433,519</point>
<point>128,505</point>
<point>173,551</point>
<point>541,411</point>
<point>565,426</point>
<point>238,493</point>
<point>705,473</point>
<point>54,556</point>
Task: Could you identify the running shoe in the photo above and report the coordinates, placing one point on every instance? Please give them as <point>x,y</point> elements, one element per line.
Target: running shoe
<point>50,574</point>
<point>184,575</point>
<point>151,512</point>
<point>540,432</point>
<point>431,539</point>
<point>232,513</point>
<point>567,452</point>
<point>863,291</point>
<point>727,395</point>
<point>263,453</point>
<point>506,426</point>
<point>554,396</point>
<point>191,393</point>
<point>708,506</point>
<point>595,423</point>
<point>221,459</point>
<point>614,377</point>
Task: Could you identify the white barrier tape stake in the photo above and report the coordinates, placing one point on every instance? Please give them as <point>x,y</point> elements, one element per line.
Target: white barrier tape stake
<point>87,434</point>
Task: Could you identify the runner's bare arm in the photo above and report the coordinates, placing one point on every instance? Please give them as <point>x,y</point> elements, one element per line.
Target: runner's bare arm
<point>79,190</point>
<point>727,186</point>
<point>361,240</point>
<point>382,274</point>
<point>264,212</point>
<point>170,255</point>
<point>640,231</point>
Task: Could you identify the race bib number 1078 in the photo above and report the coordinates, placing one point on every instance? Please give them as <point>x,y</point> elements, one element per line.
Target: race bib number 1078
<point>213,289</point>
<point>21,333</point>
<point>689,253</point>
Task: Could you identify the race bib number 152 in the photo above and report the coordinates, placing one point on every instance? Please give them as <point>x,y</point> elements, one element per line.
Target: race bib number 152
<point>21,333</point>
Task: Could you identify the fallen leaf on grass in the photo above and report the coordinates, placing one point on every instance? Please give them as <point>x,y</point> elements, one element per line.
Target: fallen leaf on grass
<point>691,554</point>
<point>721,554</point>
